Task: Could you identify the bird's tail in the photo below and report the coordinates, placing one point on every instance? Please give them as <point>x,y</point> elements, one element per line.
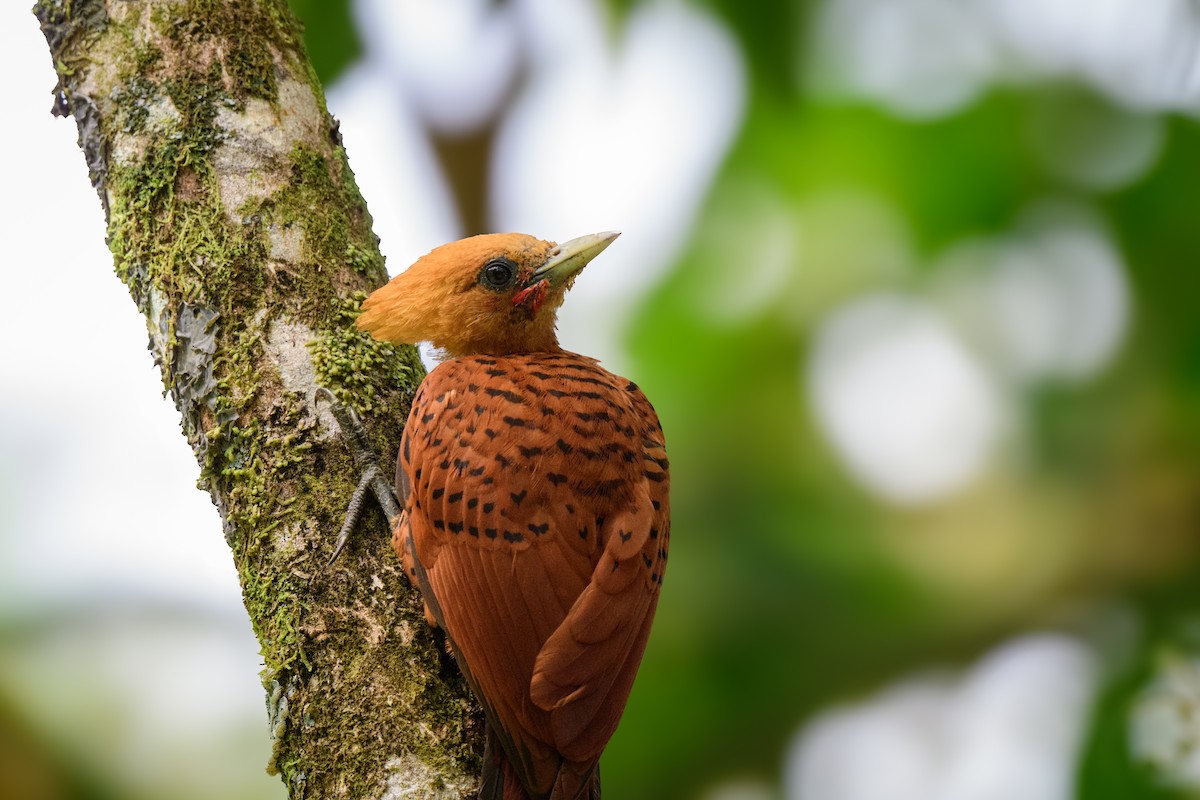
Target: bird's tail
<point>501,781</point>
<point>575,783</point>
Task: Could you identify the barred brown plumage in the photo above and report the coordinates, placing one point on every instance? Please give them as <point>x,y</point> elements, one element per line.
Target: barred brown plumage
<point>536,505</point>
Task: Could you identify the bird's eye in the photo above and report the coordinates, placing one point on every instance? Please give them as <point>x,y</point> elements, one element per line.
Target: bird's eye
<point>498,274</point>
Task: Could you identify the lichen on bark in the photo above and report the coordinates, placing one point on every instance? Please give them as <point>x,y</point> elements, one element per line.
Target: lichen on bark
<point>235,221</point>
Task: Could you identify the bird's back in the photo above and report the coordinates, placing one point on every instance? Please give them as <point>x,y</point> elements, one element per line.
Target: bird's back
<point>536,496</point>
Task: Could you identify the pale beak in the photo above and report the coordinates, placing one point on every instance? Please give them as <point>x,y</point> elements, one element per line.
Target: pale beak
<point>570,257</point>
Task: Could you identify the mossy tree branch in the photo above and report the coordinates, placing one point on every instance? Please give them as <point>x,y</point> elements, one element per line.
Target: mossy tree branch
<point>235,221</point>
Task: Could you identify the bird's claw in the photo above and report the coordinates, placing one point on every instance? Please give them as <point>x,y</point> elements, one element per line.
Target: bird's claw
<point>367,460</point>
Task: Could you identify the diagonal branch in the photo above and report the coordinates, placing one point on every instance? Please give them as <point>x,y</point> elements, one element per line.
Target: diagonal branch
<point>235,222</point>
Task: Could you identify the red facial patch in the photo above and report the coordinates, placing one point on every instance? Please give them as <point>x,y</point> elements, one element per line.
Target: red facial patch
<point>535,294</point>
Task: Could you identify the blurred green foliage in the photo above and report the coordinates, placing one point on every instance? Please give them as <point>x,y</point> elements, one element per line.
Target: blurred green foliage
<point>1167,610</point>
<point>36,768</point>
<point>784,592</point>
<point>329,35</point>
<point>770,33</point>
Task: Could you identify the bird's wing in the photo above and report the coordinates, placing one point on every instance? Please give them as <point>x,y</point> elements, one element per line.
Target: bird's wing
<point>585,670</point>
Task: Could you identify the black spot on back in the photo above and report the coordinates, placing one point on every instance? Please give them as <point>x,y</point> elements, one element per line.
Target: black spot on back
<point>594,381</point>
<point>511,397</point>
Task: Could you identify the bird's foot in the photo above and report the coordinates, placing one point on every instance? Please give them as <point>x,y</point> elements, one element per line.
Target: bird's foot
<point>372,477</point>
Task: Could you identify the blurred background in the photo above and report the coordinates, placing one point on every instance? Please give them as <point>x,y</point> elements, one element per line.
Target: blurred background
<point>912,284</point>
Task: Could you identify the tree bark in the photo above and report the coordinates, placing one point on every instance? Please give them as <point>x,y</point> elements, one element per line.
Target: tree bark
<point>235,221</point>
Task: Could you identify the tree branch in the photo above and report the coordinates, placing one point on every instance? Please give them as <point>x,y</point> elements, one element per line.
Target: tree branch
<point>235,222</point>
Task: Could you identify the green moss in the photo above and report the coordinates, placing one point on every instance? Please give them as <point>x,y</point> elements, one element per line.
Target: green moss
<point>364,260</point>
<point>335,233</point>
<point>138,89</point>
<point>432,689</point>
<point>68,25</point>
<point>239,377</point>
<point>327,239</point>
<point>166,224</point>
<point>355,366</point>
<point>322,202</point>
<point>133,99</point>
<point>248,464</point>
<point>248,33</point>
<point>146,58</point>
<point>64,20</point>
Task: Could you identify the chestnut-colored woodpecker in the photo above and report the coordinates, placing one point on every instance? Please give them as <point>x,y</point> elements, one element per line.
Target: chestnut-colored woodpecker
<point>535,515</point>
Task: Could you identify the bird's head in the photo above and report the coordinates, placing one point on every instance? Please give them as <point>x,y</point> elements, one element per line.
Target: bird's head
<point>492,294</point>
